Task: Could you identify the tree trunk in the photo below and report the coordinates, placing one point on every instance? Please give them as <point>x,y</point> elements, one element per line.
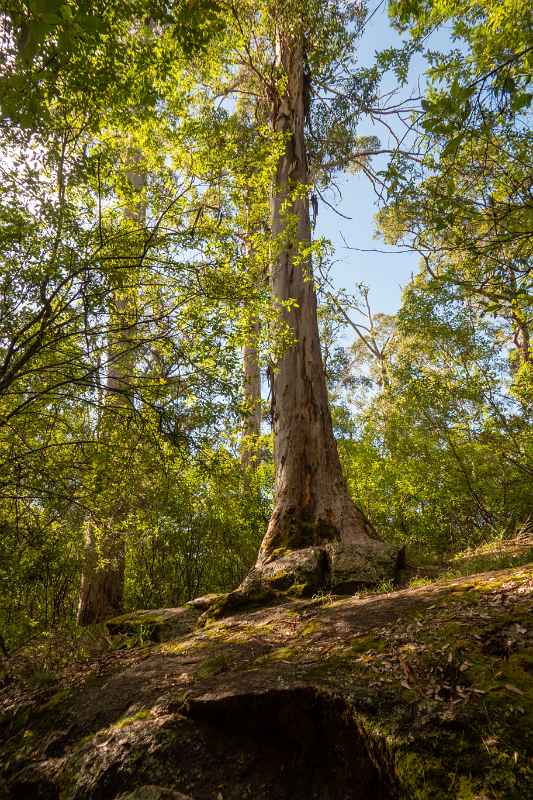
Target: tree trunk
<point>522,339</point>
<point>102,580</point>
<point>251,429</point>
<point>521,333</point>
<point>312,503</point>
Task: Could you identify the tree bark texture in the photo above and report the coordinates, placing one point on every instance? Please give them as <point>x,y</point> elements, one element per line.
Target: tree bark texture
<point>312,502</point>
<point>102,580</point>
<point>522,339</point>
<point>251,429</point>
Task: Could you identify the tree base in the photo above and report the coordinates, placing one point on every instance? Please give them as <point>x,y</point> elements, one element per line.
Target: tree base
<point>336,567</point>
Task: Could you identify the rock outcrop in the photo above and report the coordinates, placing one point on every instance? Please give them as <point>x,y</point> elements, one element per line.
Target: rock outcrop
<point>423,694</point>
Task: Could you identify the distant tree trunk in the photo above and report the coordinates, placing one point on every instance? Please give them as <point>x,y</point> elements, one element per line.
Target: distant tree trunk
<point>312,504</point>
<point>102,581</point>
<point>522,340</point>
<point>251,429</point>
<point>521,332</point>
<point>384,379</point>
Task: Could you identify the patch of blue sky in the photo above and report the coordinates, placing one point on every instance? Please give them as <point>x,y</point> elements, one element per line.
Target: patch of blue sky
<point>385,273</point>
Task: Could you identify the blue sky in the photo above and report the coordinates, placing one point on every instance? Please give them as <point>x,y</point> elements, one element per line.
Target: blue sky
<point>385,274</point>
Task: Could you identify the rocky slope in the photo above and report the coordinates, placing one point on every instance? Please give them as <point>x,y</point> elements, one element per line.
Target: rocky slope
<point>424,693</point>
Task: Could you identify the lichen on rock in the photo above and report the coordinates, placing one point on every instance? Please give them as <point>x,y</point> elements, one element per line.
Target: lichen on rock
<point>352,567</point>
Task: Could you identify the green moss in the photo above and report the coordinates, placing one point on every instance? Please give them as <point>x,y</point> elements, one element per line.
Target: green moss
<point>212,666</point>
<point>364,644</point>
<point>278,654</point>
<point>298,590</point>
<point>279,552</point>
<point>282,654</point>
<point>459,771</point>
<point>55,701</point>
<point>412,772</point>
<point>281,580</point>
<point>238,601</point>
<point>181,647</point>
<point>300,531</point>
<point>144,713</point>
<point>312,627</point>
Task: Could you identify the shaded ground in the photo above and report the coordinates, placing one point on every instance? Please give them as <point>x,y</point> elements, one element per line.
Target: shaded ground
<point>421,693</point>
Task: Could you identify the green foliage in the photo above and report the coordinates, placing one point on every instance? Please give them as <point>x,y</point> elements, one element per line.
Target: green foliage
<point>466,207</point>
<point>137,161</point>
<point>443,452</point>
<point>198,533</point>
<point>94,55</point>
<point>439,449</point>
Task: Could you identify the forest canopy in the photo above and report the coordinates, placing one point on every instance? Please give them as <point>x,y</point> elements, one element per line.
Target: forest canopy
<point>175,357</point>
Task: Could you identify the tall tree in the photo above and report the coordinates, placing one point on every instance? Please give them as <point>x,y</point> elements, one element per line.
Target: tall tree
<point>102,580</point>
<point>293,49</point>
<point>312,504</point>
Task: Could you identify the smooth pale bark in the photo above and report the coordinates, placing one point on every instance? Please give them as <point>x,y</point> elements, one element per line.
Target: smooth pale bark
<point>312,502</point>
<point>522,339</point>
<point>102,580</point>
<point>521,332</point>
<point>251,429</point>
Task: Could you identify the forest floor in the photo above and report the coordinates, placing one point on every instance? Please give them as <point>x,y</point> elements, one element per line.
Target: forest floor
<point>424,692</point>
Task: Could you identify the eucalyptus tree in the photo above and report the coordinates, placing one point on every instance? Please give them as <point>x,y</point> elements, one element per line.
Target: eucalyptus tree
<point>374,331</point>
<point>102,580</point>
<point>300,59</point>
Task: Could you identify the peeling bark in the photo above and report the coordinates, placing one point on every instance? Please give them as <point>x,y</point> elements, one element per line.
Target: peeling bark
<point>312,502</point>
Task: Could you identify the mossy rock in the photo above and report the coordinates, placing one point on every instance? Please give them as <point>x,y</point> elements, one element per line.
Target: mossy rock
<point>419,694</point>
<point>306,567</point>
<point>336,567</point>
<point>155,626</point>
<point>353,566</point>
